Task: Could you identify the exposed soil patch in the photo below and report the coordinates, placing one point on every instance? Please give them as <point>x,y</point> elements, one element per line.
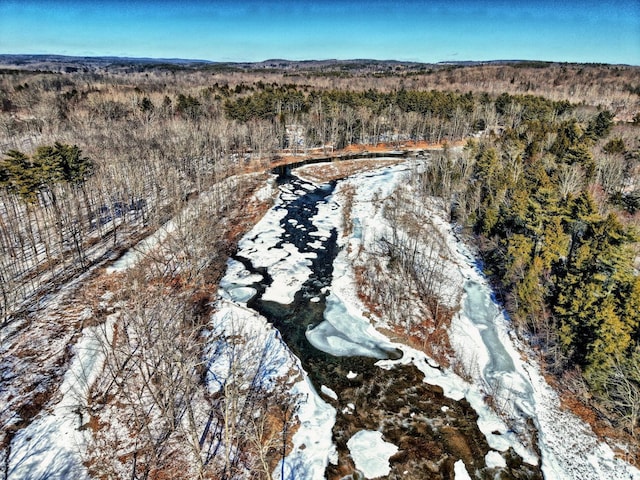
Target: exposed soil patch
<point>335,170</point>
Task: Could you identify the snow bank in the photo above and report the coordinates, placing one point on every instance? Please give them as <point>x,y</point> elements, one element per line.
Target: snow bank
<point>493,459</point>
<point>486,345</point>
<point>313,447</point>
<point>312,444</point>
<point>262,355</point>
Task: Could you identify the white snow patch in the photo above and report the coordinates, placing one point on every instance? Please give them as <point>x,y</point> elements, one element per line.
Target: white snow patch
<point>328,392</point>
<point>241,294</point>
<point>313,448</point>
<point>460,471</point>
<point>265,193</point>
<point>237,275</point>
<point>351,375</point>
<point>136,253</point>
<point>235,284</point>
<point>349,409</point>
<point>371,453</point>
<point>337,342</point>
<point>493,459</point>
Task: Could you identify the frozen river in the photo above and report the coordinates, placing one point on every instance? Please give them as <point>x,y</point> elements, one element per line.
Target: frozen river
<point>291,269</point>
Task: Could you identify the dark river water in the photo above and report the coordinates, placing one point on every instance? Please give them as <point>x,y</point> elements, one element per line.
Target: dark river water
<point>307,309</point>
<point>431,431</point>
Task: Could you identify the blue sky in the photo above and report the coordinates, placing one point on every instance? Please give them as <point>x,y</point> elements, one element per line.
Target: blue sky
<point>417,30</point>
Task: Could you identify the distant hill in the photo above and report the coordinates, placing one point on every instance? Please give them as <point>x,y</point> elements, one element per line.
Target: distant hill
<point>64,63</point>
<point>86,63</point>
<point>515,76</point>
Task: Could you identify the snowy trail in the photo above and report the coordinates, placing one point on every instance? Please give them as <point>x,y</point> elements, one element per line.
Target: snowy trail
<point>483,313</point>
<point>52,447</point>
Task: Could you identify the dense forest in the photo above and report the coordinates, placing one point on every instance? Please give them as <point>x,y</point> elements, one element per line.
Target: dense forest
<point>547,186</point>
<point>552,205</point>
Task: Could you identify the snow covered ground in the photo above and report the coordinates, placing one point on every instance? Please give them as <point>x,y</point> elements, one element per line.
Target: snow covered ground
<point>52,446</point>
<point>151,243</point>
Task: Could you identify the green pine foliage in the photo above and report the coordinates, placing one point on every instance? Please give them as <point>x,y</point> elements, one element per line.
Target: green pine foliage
<point>26,176</point>
<point>20,175</point>
<point>563,268</point>
<point>270,101</point>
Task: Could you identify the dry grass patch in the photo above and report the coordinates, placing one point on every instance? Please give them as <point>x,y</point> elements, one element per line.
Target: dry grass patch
<point>337,169</point>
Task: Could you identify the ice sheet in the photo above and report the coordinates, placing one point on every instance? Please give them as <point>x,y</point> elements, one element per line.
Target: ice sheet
<point>371,453</point>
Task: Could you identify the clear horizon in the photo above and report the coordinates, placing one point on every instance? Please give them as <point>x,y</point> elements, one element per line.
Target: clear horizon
<point>251,31</point>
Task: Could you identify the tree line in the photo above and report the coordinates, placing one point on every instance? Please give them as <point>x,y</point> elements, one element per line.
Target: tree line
<point>344,117</point>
